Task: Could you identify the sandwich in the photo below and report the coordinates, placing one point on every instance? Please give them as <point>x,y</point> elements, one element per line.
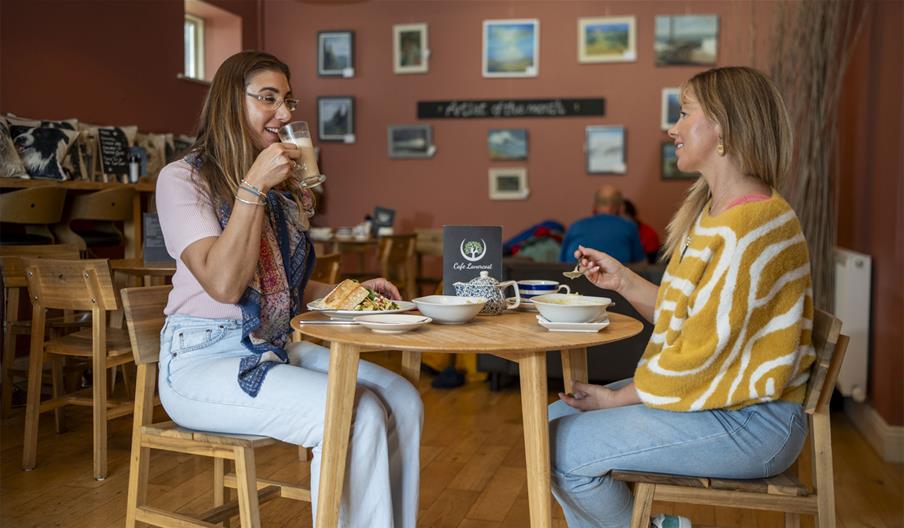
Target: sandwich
<point>349,295</point>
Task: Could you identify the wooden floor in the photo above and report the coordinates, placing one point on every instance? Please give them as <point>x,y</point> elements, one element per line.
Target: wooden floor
<point>472,476</point>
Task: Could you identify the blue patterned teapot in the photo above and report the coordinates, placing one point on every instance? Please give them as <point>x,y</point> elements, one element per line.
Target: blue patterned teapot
<point>491,290</point>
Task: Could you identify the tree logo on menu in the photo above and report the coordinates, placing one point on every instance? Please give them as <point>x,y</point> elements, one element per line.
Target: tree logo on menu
<point>472,250</point>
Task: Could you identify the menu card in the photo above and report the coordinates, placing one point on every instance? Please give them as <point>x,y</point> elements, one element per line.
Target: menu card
<point>154,247</point>
<point>468,250</point>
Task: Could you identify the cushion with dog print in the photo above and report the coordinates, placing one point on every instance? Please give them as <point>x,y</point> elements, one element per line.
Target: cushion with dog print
<point>11,165</point>
<point>42,150</point>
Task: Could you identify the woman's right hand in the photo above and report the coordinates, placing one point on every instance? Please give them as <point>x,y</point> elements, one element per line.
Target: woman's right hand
<point>605,272</point>
<point>273,165</point>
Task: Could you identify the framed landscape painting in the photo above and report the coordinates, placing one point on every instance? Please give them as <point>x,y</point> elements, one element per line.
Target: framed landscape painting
<point>336,119</point>
<point>409,48</point>
<point>686,40</point>
<point>511,48</point>
<point>508,183</point>
<point>605,150</point>
<point>335,53</point>
<point>607,39</point>
<point>507,144</point>
<point>671,107</point>
<point>410,141</point>
<point>670,170</point>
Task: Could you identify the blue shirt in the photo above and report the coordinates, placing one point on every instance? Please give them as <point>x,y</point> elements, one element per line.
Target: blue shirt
<point>607,233</point>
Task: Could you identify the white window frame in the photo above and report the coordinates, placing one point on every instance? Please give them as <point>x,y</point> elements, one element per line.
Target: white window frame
<point>198,57</point>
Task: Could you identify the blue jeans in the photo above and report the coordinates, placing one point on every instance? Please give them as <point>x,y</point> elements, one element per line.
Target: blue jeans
<point>754,442</point>
<point>199,364</point>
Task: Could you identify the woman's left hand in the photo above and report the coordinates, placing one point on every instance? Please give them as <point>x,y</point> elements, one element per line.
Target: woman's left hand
<point>383,287</point>
<point>589,397</point>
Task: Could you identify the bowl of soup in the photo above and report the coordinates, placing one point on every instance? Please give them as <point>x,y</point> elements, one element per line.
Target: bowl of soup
<point>566,308</point>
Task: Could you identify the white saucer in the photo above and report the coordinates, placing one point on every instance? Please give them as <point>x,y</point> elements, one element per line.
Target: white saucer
<point>573,327</point>
<point>526,304</point>
<point>392,323</point>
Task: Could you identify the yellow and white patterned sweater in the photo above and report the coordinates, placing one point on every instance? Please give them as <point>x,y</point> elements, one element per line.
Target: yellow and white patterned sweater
<point>734,314</point>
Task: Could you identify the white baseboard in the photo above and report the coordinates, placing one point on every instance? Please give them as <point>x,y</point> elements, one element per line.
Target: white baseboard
<point>887,440</point>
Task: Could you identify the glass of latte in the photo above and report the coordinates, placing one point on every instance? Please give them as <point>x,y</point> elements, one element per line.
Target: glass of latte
<point>299,134</point>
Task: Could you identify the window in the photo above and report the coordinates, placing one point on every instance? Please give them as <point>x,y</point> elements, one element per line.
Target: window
<point>194,47</point>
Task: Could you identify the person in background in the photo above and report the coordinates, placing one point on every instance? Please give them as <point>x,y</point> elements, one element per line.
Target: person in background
<point>236,222</point>
<point>649,240</point>
<point>606,230</point>
<point>719,388</point>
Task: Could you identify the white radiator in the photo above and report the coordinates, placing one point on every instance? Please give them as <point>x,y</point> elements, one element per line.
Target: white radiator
<point>852,306</point>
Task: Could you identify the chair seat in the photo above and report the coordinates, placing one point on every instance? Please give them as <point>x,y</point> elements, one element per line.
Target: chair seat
<point>100,238</point>
<point>24,327</point>
<point>79,343</point>
<point>785,484</point>
<point>173,430</point>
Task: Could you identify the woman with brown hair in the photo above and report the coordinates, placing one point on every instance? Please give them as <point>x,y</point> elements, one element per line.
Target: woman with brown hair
<point>719,388</point>
<point>236,222</point>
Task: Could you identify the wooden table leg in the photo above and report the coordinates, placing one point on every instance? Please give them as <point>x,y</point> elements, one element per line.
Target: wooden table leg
<point>574,367</point>
<point>536,437</point>
<point>131,231</point>
<point>411,366</point>
<point>340,400</point>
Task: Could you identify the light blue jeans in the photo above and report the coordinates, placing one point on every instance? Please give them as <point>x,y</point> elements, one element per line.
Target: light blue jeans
<point>754,442</point>
<point>199,363</point>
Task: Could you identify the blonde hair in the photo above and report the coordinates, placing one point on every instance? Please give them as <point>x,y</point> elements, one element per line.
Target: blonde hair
<point>756,133</point>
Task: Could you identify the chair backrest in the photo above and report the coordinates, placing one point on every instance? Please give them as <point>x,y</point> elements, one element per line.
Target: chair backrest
<point>396,249</point>
<point>108,204</point>
<point>829,346</point>
<point>326,268</point>
<point>13,268</point>
<point>70,284</point>
<point>36,205</point>
<point>429,241</point>
<point>144,316</point>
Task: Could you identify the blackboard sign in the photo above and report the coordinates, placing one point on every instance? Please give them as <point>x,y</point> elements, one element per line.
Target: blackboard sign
<point>154,246</point>
<point>468,250</point>
<point>382,217</point>
<point>506,108</point>
<point>114,150</point>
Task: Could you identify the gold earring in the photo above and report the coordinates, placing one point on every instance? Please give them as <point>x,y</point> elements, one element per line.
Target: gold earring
<point>720,150</point>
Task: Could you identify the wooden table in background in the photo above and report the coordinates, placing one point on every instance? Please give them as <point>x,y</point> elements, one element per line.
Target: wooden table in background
<point>513,336</point>
<point>131,229</point>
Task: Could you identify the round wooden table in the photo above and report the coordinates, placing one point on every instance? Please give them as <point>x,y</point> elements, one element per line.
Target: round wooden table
<point>514,335</point>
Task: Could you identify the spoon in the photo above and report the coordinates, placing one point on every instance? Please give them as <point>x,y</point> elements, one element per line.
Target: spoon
<point>575,273</point>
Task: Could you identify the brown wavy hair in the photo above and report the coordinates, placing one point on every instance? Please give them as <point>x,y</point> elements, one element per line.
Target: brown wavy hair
<point>223,143</point>
<point>756,133</point>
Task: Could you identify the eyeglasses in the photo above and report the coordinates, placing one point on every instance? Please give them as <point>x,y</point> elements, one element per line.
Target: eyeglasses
<point>273,103</point>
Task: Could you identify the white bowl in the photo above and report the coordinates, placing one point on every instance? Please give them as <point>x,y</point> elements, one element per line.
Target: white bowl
<point>564,308</point>
<point>449,309</point>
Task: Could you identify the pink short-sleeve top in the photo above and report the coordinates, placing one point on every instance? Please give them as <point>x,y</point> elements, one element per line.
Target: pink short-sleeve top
<point>186,216</point>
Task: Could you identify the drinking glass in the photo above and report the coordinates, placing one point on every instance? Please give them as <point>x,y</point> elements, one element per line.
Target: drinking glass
<point>299,134</point>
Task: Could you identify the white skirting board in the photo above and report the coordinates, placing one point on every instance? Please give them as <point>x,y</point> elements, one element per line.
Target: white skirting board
<point>887,440</point>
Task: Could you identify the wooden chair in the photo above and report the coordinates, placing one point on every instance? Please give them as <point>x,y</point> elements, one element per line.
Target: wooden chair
<point>35,208</point>
<point>144,317</point>
<point>13,272</point>
<point>784,492</point>
<point>74,285</point>
<point>396,256</point>
<point>327,268</point>
<point>429,244</point>
<point>104,208</point>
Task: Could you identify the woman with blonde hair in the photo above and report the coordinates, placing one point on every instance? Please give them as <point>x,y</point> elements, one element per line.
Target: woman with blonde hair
<point>719,388</point>
<point>236,222</point>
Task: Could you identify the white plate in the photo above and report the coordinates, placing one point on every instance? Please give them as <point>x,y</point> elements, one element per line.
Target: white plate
<point>526,304</point>
<point>392,323</point>
<point>404,306</point>
<point>573,327</point>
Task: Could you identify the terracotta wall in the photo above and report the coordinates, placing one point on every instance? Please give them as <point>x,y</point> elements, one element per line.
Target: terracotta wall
<point>105,62</point>
<point>871,197</point>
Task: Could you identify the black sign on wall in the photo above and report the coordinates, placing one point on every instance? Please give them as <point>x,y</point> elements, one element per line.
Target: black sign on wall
<point>507,108</point>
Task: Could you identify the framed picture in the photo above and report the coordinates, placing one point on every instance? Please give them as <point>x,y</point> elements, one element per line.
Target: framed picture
<point>607,39</point>
<point>410,141</point>
<point>686,40</point>
<point>336,119</point>
<point>335,53</point>
<point>670,170</point>
<point>507,144</point>
<point>511,48</point>
<point>605,150</point>
<point>409,48</point>
<point>509,183</point>
<point>671,107</point>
